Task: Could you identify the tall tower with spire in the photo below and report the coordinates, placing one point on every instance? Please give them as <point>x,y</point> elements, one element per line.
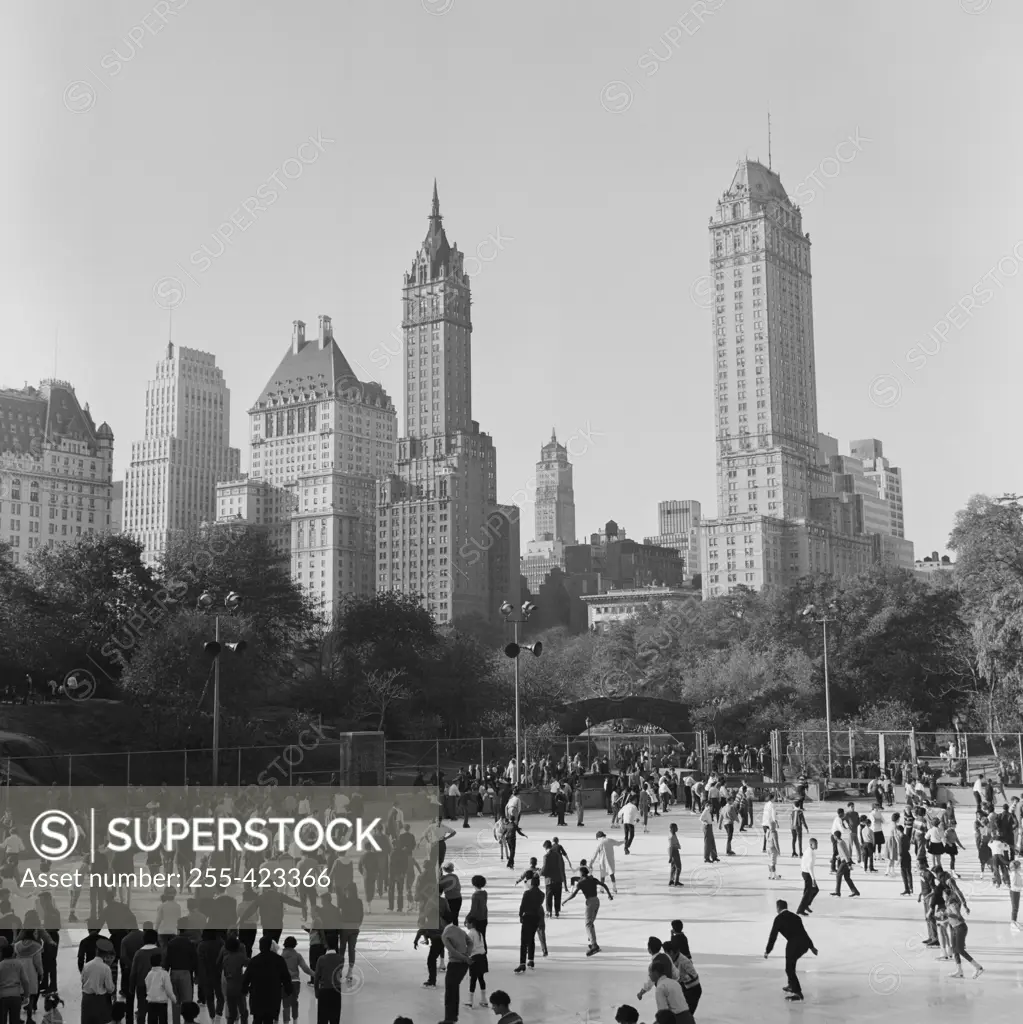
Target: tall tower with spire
<point>438,331</point>
<point>442,535</point>
<point>554,508</point>
<point>553,515</point>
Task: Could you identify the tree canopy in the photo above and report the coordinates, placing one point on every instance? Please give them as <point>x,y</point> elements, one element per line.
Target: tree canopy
<point>902,650</point>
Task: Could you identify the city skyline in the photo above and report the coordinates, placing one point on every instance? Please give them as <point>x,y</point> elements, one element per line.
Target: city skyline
<point>895,260</point>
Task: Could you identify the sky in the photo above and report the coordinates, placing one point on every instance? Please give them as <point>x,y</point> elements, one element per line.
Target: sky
<point>579,150</point>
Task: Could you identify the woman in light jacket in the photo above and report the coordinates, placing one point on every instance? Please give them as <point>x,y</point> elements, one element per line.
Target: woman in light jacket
<point>29,949</point>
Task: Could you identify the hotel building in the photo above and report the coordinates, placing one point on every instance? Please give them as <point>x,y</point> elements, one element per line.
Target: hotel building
<point>56,469</point>
<point>320,439</point>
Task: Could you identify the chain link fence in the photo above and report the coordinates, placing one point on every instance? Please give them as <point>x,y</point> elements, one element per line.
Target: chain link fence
<point>353,759</point>
<point>953,758</point>
<point>407,759</point>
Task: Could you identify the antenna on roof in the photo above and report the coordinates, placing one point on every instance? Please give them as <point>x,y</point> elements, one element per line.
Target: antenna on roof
<point>768,137</point>
<point>56,339</point>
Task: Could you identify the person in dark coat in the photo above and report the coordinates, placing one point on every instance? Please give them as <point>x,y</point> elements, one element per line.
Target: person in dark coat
<point>790,927</point>
<point>266,980</point>
<point>208,978</point>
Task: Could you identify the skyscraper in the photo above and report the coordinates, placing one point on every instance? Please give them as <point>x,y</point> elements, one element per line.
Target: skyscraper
<point>438,519</point>
<point>172,479</point>
<point>887,477</point>
<point>776,519</point>
<point>554,508</point>
<point>553,515</point>
<point>678,524</point>
<point>56,469</point>
<point>321,439</point>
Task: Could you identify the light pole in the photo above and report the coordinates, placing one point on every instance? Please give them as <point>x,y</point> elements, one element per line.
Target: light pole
<point>213,648</point>
<point>824,615</point>
<point>513,651</point>
<point>589,726</point>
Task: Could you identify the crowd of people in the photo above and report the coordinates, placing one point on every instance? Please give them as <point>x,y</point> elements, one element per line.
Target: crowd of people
<point>203,948</point>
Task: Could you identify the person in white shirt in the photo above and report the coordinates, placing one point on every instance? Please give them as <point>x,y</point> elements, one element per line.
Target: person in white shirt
<point>655,948</point>
<point>698,790</point>
<point>978,790</point>
<point>630,819</point>
<point>1015,888</point>
<point>159,991</point>
<point>13,844</point>
<point>97,988</point>
<point>769,819</point>
<point>837,825</point>
<point>935,842</point>
<point>513,809</point>
<point>167,916</point>
<point>602,863</point>
<point>664,792</point>
<point>999,862</point>
<point>808,865</point>
<point>451,803</point>
<point>667,991</point>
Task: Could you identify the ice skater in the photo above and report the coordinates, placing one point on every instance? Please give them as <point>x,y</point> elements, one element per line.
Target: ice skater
<point>588,885</point>
<point>797,942</point>
<point>674,856</point>
<point>602,862</point>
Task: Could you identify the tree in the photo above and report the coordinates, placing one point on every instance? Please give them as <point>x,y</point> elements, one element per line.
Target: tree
<point>490,634</point>
<point>96,592</point>
<point>225,558</point>
<point>742,693</point>
<point>988,541</point>
<point>378,693</point>
<point>170,676</point>
<point>30,634</point>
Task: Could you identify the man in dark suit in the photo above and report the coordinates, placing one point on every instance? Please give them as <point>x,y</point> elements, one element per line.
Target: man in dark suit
<point>265,980</point>
<point>797,942</point>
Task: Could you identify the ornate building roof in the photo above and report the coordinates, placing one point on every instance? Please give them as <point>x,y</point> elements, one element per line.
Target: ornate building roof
<point>316,368</point>
<point>50,411</point>
<point>756,180</point>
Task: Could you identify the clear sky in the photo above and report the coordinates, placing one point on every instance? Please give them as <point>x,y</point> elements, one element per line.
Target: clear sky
<point>592,138</point>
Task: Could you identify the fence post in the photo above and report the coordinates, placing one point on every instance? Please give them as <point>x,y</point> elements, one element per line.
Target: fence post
<point>881,751</point>
<point>568,749</point>
<point>239,767</point>
<point>127,773</point>
<point>186,767</point>
<point>912,747</point>
<point>68,770</point>
<point>1019,737</point>
<point>291,777</point>
<point>481,758</point>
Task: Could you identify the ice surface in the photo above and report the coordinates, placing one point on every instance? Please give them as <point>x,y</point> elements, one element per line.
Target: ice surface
<point>871,965</point>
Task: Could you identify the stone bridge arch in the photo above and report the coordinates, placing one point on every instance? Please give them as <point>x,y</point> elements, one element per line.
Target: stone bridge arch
<point>669,715</point>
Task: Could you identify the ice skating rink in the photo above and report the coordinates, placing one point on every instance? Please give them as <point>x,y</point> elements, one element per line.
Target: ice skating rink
<point>872,963</point>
